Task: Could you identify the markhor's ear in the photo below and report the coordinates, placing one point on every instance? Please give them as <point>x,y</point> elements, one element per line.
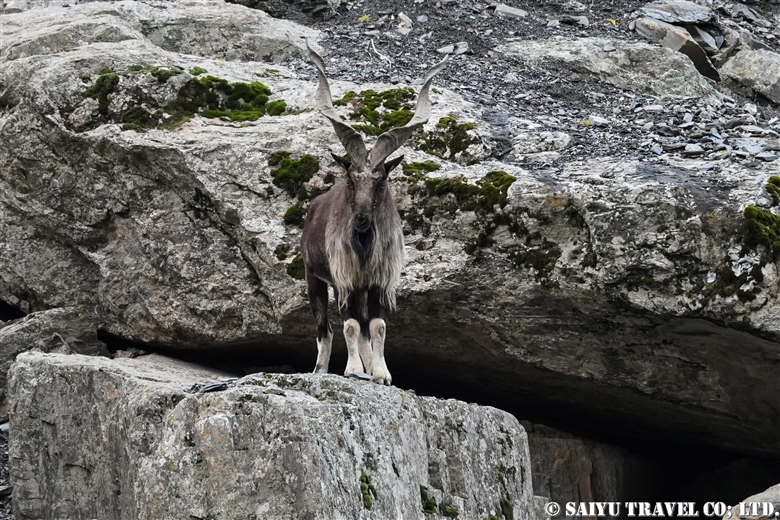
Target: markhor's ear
<point>341,161</point>
<point>389,165</point>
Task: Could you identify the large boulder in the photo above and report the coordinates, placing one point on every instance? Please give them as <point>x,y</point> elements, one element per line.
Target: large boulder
<point>117,439</point>
<point>206,28</point>
<point>757,507</point>
<point>677,11</point>
<point>680,40</point>
<point>65,331</point>
<point>628,289</point>
<point>633,66</point>
<point>758,71</point>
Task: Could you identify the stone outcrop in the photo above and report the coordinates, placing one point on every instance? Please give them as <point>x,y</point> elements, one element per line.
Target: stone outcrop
<point>680,40</point>
<point>117,439</point>
<point>199,27</point>
<point>677,11</point>
<point>756,70</point>
<point>570,469</point>
<point>633,289</point>
<point>633,66</point>
<point>761,500</point>
<point>65,331</point>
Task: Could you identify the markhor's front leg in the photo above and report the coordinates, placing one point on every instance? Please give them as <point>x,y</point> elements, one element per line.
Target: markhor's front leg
<point>379,373</point>
<point>352,337</point>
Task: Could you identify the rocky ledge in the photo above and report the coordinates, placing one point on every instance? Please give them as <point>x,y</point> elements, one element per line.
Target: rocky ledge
<point>612,266</point>
<point>153,437</point>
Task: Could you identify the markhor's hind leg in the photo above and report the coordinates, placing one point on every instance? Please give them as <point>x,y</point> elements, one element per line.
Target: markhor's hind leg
<point>318,298</point>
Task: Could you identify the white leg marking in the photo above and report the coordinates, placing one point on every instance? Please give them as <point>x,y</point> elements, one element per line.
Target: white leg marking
<point>366,352</point>
<point>351,334</point>
<point>380,374</point>
<point>323,354</point>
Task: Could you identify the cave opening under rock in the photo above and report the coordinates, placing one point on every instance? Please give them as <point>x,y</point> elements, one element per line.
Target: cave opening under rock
<point>672,468</point>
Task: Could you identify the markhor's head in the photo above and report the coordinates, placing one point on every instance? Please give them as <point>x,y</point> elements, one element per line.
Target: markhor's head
<point>366,190</point>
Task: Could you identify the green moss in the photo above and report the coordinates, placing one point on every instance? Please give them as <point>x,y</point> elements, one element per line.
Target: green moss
<point>276,108</point>
<point>449,139</point>
<point>291,174</point>
<point>541,259</point>
<point>276,157</point>
<point>296,269</point>
<point>490,190</point>
<point>417,170</point>
<point>208,96</point>
<point>429,506</point>
<point>281,251</point>
<point>103,86</point>
<point>447,511</point>
<point>773,187</point>
<point>590,259</point>
<point>139,119</point>
<point>367,490</point>
<point>294,215</point>
<point>197,71</point>
<point>162,73</point>
<point>763,227</point>
<point>106,70</point>
<point>506,508</point>
<point>376,112</point>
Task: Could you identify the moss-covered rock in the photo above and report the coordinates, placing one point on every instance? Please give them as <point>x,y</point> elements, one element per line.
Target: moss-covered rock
<point>367,490</point>
<point>294,215</point>
<point>292,174</point>
<point>450,140</point>
<point>377,112</point>
<point>763,226</point>
<point>208,96</point>
<point>139,119</point>
<point>417,170</point>
<point>103,86</point>
<point>296,268</point>
<point>489,191</point>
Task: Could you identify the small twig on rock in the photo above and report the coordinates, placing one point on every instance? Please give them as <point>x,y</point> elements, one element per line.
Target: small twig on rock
<point>388,60</point>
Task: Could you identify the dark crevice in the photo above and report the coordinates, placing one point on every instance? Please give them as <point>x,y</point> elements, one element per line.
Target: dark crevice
<point>10,312</point>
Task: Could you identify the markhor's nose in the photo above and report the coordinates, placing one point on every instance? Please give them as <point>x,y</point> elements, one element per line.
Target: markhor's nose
<point>361,221</point>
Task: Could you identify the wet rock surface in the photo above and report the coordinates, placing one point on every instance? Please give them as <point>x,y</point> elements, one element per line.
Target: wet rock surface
<point>129,439</point>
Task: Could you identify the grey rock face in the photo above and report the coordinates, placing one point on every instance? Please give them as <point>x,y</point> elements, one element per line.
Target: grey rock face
<point>65,331</point>
<point>206,28</point>
<point>680,40</point>
<point>593,278</point>
<point>677,11</point>
<point>634,66</point>
<point>118,439</point>
<point>569,469</point>
<point>758,71</point>
<point>770,496</point>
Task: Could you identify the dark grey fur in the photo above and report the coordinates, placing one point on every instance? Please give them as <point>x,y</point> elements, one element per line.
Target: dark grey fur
<point>353,240</point>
